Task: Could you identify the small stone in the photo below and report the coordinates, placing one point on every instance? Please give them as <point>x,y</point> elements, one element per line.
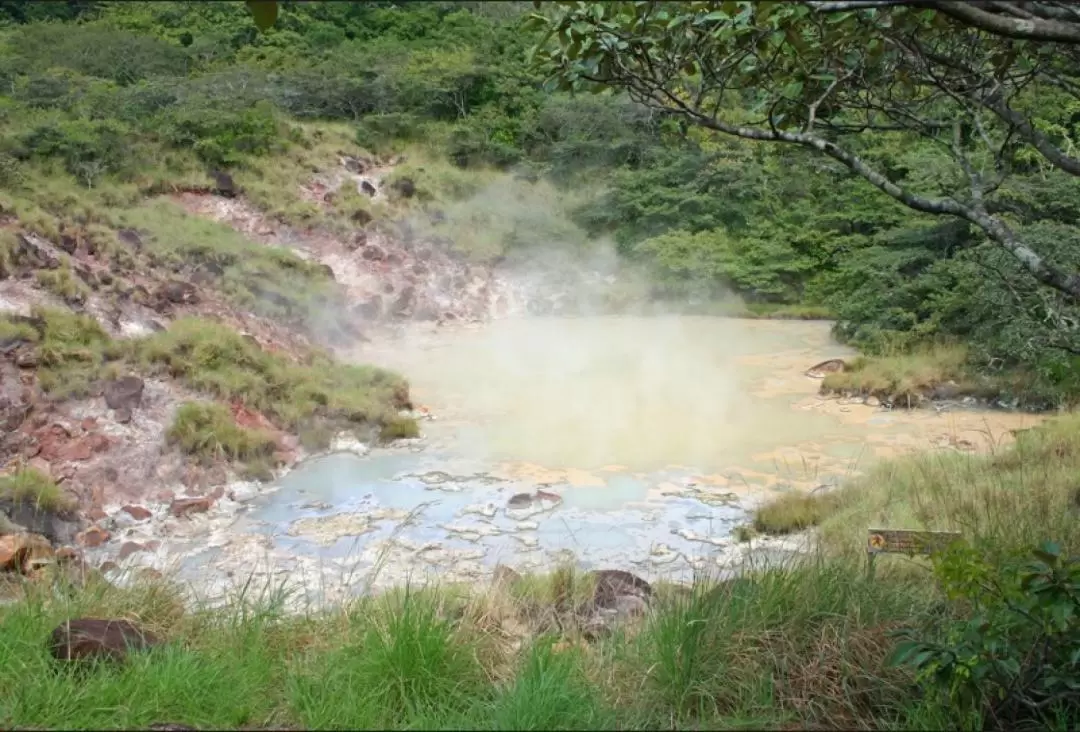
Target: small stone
<point>96,513</point>
<point>92,537</point>
<point>182,507</point>
<point>128,548</point>
<point>139,513</point>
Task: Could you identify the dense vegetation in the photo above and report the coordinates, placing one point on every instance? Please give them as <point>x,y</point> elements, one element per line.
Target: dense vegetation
<point>124,99</point>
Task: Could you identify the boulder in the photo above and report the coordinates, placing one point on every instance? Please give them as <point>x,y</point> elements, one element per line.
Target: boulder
<point>59,527</point>
<point>611,584</point>
<point>131,237</point>
<point>520,500</point>
<point>405,187</point>
<point>224,185</point>
<point>178,293</point>
<point>92,639</point>
<point>124,393</point>
<point>367,189</point>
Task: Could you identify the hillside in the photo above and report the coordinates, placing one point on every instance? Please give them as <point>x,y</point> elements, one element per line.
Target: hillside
<point>202,224</point>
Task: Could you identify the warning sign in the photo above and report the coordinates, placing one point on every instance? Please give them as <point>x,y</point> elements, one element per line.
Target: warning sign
<point>900,541</point>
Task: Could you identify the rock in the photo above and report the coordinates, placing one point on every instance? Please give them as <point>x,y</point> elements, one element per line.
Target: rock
<point>177,293</point>
<point>504,576</point>
<point>355,165</point>
<point>41,465</point>
<point>130,236</point>
<point>832,366</point>
<point>182,507</point>
<point>123,415</point>
<point>128,548</point>
<point>327,271</point>
<point>26,357</point>
<point>90,639</point>
<point>68,243</point>
<point>367,189</point>
<point>92,537</point>
<point>373,253</point>
<point>7,526</point>
<point>124,393</point>
<point>96,513</point>
<point>139,513</point>
<point>614,583</point>
<point>520,500</point>
<point>59,527</point>
<point>405,187</point>
<point>224,185</point>
<point>21,552</point>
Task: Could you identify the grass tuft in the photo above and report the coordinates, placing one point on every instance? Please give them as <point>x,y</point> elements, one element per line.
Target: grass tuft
<point>29,486</point>
<point>208,431</point>
<point>793,512</point>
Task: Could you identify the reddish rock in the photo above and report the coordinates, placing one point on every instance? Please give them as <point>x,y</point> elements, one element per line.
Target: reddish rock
<point>128,548</point>
<point>89,424</point>
<point>139,513</point>
<point>92,537</point>
<point>79,450</point>
<point>68,554</point>
<point>97,639</point>
<point>186,506</point>
<point>20,552</point>
<point>96,513</point>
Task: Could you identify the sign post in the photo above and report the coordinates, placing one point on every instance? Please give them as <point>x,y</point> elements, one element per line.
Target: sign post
<point>902,541</point>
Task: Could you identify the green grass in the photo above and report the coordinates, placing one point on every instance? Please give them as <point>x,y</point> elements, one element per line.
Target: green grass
<point>800,645</point>
<point>216,360</point>
<point>316,395</point>
<point>29,486</point>
<point>209,432</point>
<point>793,512</point>
<point>907,379</point>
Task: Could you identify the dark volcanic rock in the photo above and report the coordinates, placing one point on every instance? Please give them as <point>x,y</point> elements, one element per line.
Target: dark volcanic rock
<point>224,185</point>
<point>124,393</point>
<point>88,639</point>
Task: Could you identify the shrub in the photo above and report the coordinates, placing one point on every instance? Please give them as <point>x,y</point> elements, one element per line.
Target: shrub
<point>1013,657</point>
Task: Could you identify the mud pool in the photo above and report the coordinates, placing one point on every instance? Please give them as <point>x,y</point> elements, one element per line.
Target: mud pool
<point>658,434</point>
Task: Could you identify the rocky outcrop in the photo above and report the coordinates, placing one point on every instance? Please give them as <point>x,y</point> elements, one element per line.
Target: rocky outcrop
<point>96,639</point>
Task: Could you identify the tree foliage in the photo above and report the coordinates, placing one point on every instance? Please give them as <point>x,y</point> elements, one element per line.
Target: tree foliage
<point>819,74</point>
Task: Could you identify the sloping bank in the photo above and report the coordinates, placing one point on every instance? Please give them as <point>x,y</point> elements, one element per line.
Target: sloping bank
<point>807,646</point>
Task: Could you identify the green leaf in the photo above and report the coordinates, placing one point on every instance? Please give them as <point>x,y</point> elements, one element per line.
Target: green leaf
<point>264,12</point>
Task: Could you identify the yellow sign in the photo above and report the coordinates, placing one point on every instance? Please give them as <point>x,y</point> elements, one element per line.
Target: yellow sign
<point>900,541</point>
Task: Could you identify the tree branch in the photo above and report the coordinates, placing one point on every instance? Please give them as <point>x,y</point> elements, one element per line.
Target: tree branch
<point>1031,29</point>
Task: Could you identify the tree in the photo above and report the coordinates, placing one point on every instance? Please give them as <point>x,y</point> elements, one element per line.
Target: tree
<point>995,86</point>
